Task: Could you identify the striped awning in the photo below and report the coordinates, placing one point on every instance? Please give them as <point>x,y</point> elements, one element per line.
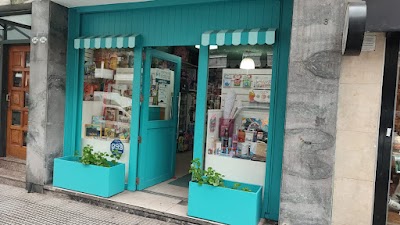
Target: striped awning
<point>239,37</point>
<point>106,41</point>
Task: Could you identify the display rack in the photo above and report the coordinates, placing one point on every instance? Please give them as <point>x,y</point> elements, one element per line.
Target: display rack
<point>187,106</point>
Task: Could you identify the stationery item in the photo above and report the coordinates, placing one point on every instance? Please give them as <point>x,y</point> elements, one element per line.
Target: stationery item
<point>212,124</point>
<point>261,96</point>
<point>212,145</point>
<point>229,104</point>
<point>249,136</point>
<point>218,146</point>
<point>98,120</point>
<point>109,132</point>
<point>234,142</point>
<point>225,140</point>
<point>92,130</point>
<point>260,135</point>
<point>252,95</point>
<point>241,136</point>
<point>227,82</point>
<point>236,106</point>
<point>261,149</point>
<point>245,148</point>
<point>247,81</point>
<point>226,124</point>
<point>110,114</point>
<point>252,149</point>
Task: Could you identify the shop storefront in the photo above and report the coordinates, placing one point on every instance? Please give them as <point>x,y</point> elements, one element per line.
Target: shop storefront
<point>137,84</point>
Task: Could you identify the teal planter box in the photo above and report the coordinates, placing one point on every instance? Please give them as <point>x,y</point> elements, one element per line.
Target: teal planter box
<point>225,205</point>
<point>70,174</point>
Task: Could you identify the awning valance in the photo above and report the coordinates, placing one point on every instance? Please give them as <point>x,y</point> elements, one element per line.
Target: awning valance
<point>106,41</point>
<point>239,37</point>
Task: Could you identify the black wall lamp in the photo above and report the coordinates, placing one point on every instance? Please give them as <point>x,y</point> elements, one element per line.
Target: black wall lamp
<point>354,28</point>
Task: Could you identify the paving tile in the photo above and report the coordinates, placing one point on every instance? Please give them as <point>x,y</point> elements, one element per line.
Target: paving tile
<point>20,208</point>
<point>180,210</point>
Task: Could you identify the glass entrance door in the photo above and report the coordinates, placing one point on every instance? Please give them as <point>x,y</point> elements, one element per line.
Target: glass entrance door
<point>159,118</point>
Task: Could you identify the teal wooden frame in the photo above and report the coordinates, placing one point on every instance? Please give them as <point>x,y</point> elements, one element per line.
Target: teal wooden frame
<point>135,123</point>
<point>281,18</point>
<point>144,114</point>
<point>201,105</point>
<point>72,86</point>
<point>276,129</point>
<point>277,114</point>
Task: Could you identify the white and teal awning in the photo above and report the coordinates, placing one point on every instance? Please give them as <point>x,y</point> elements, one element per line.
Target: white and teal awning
<point>106,41</point>
<point>239,37</point>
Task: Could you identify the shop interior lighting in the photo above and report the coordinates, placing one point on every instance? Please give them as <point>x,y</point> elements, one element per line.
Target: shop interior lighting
<point>212,47</point>
<point>247,64</point>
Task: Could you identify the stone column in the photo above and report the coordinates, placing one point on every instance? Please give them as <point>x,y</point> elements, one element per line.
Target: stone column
<point>47,91</point>
<point>312,97</point>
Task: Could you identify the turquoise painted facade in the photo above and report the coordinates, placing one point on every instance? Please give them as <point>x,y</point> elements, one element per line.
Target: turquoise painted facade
<point>182,23</point>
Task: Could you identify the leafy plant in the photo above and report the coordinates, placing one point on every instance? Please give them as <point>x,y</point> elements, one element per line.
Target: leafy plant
<point>196,171</point>
<point>210,176</point>
<point>213,178</point>
<point>236,186</point>
<point>246,189</point>
<point>98,158</point>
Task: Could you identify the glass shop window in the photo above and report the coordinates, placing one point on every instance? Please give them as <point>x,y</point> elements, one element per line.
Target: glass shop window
<point>107,99</point>
<point>238,96</point>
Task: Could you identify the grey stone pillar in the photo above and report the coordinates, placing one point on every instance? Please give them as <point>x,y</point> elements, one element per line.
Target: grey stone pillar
<point>310,130</point>
<point>47,91</point>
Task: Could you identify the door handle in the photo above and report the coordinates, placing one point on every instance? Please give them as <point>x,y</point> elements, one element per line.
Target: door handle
<point>7,97</point>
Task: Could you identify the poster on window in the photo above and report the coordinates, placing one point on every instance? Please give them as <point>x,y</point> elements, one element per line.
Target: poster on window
<point>163,90</point>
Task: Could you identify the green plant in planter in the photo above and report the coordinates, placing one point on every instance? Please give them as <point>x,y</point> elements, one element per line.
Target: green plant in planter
<point>98,158</point>
<point>209,176</point>
<point>236,186</point>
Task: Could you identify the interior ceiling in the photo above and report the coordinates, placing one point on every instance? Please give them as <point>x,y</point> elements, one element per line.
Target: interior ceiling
<point>236,52</point>
<point>79,3</point>
<point>232,52</point>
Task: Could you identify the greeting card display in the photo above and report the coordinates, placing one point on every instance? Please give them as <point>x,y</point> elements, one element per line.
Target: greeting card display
<point>92,130</point>
<point>110,114</point>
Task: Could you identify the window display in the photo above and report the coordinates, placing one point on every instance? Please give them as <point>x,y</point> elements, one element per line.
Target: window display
<point>107,100</point>
<point>240,128</point>
<point>107,94</point>
<point>238,113</point>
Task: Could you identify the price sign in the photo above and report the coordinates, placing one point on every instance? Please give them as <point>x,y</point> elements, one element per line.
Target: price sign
<point>117,145</point>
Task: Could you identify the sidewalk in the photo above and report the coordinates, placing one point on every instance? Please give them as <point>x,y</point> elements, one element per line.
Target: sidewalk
<point>19,207</point>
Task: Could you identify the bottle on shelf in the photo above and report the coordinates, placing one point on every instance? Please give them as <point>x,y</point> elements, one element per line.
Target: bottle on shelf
<point>225,140</point>
<point>234,143</point>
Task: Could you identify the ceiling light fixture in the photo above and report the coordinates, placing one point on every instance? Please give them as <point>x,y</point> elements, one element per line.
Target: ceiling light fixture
<point>212,47</point>
<point>247,64</point>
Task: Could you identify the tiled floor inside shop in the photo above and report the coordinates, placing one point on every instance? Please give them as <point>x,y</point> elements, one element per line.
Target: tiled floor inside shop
<point>163,197</point>
<point>393,218</point>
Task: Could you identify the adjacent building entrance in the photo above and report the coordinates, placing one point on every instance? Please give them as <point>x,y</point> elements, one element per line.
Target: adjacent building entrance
<point>17,98</point>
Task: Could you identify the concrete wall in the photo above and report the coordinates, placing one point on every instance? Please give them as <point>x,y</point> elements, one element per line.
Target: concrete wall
<point>310,130</point>
<point>14,2</point>
<point>360,92</point>
<point>47,86</point>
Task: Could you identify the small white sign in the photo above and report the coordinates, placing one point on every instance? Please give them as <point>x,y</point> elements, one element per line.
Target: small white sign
<point>369,42</point>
